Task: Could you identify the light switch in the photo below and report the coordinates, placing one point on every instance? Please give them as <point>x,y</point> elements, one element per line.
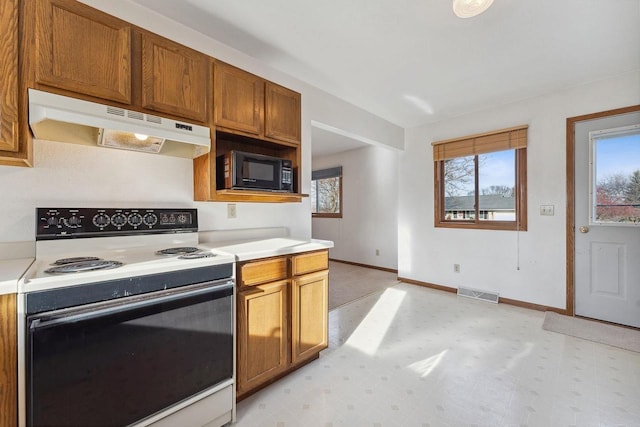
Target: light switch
<point>546,210</point>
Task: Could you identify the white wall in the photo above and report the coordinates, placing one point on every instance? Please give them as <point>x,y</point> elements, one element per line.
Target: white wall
<point>67,175</point>
<point>490,259</point>
<point>370,219</point>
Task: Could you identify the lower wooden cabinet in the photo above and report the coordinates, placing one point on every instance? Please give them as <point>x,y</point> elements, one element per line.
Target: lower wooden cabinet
<point>262,334</point>
<point>283,323</point>
<point>309,315</point>
<point>8,361</point>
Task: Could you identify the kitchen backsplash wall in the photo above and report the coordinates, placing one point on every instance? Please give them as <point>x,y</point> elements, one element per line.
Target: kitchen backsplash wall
<point>83,176</point>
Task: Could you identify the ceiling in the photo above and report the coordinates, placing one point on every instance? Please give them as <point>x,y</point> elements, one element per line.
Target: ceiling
<point>326,143</point>
<point>413,62</point>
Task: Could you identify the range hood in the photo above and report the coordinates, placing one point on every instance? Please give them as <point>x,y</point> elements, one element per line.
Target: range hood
<point>60,118</point>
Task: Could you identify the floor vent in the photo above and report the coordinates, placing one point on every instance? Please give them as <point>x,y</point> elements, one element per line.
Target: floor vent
<point>478,294</point>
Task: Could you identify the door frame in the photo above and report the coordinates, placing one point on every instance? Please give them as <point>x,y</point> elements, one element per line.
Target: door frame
<point>570,173</point>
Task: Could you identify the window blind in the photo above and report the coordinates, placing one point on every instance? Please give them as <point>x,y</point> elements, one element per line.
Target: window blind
<point>326,173</point>
<point>504,139</point>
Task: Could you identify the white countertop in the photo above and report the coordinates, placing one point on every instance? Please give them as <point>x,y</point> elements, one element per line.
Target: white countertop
<point>245,250</point>
<point>10,272</point>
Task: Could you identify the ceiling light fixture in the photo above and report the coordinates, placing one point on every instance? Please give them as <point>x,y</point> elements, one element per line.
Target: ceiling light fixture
<point>470,8</point>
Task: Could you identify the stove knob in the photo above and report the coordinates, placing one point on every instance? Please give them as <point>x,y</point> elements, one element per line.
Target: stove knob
<point>119,220</point>
<point>182,219</point>
<point>150,219</point>
<point>52,221</point>
<point>101,220</point>
<point>135,219</point>
<point>73,222</point>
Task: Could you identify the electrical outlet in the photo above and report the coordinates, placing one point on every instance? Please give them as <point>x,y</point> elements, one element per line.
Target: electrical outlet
<point>377,252</point>
<point>231,210</point>
<point>456,268</point>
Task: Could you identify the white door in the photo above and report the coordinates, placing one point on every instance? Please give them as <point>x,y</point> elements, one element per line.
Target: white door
<point>607,219</point>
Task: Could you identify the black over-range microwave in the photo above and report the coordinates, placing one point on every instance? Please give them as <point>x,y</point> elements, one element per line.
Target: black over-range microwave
<point>248,171</point>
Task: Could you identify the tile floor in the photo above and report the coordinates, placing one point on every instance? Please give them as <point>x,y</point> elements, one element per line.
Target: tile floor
<point>412,356</point>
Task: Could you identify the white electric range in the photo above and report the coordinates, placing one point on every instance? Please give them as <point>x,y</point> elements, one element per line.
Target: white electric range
<point>124,315</point>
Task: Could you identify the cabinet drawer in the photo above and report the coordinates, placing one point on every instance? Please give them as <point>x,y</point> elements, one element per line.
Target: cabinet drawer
<point>310,262</point>
<point>268,270</point>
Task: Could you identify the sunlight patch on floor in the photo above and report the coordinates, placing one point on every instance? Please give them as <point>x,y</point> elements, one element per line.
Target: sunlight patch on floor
<point>426,366</point>
<point>371,331</point>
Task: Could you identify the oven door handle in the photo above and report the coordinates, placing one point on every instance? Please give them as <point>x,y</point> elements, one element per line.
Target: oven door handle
<point>60,317</point>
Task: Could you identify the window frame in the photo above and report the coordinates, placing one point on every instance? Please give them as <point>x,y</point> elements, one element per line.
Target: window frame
<point>520,224</point>
<point>317,175</point>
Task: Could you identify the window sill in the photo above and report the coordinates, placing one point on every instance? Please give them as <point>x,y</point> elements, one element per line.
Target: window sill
<point>485,225</point>
<point>326,215</point>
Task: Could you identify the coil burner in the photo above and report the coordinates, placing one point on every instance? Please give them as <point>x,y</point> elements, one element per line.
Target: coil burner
<point>82,266</point>
<point>178,251</point>
<point>197,255</point>
<point>73,260</point>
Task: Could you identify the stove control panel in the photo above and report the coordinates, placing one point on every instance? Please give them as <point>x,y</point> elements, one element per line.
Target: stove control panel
<point>61,223</point>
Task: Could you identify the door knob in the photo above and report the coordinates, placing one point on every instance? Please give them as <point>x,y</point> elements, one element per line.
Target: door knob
<point>584,229</point>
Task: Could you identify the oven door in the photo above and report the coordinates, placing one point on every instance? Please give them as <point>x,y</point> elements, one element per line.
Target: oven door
<point>115,363</point>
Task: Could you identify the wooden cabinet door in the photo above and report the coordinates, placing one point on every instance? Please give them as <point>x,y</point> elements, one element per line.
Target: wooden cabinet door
<point>83,50</point>
<point>174,78</point>
<point>9,75</point>
<point>262,334</point>
<point>238,99</point>
<point>8,361</point>
<point>309,315</point>
<point>282,113</point>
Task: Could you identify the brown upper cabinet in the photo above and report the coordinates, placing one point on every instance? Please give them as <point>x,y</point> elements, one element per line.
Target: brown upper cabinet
<point>282,113</point>
<point>13,151</point>
<point>83,50</point>
<point>249,105</point>
<point>9,76</point>
<point>174,78</point>
<point>239,99</point>
<point>255,115</point>
<point>92,54</point>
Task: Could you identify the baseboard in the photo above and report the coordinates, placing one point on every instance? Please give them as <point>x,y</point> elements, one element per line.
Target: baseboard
<point>502,300</point>
<point>375,267</point>
<point>532,306</point>
<point>428,285</point>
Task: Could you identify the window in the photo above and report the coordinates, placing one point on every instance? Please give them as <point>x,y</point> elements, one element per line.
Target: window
<point>481,181</point>
<point>615,176</point>
<point>326,193</point>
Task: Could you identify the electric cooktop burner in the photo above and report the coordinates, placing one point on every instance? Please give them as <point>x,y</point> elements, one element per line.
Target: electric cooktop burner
<point>64,261</point>
<point>197,255</point>
<point>178,251</point>
<point>82,266</point>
